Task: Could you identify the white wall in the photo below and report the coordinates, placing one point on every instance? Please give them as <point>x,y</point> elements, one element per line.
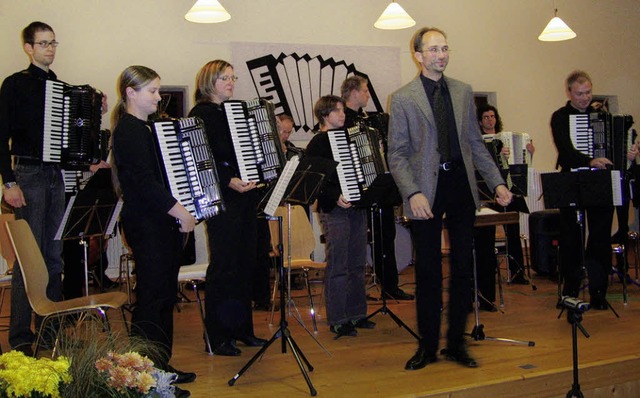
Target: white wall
<point>494,44</point>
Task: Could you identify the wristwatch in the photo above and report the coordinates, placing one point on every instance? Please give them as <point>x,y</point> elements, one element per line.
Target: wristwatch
<point>9,185</point>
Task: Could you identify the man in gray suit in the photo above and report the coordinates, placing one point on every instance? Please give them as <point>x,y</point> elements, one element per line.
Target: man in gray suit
<point>435,146</point>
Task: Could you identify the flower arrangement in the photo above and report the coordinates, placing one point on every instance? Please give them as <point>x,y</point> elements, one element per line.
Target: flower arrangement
<point>132,374</point>
<point>23,376</point>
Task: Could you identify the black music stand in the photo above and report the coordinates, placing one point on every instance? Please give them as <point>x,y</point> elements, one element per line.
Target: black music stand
<point>303,187</point>
<point>580,190</point>
<point>478,329</point>
<point>383,192</point>
<point>91,213</point>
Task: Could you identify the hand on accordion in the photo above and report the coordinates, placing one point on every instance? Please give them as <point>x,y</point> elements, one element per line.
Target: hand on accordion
<point>600,163</point>
<point>238,185</point>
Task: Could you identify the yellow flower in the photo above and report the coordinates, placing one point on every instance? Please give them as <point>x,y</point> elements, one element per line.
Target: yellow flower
<point>24,375</point>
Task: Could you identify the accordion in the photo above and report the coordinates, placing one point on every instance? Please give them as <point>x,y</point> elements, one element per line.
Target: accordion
<point>603,135</point>
<point>188,166</point>
<point>255,138</point>
<point>517,144</point>
<point>358,151</point>
<point>72,117</point>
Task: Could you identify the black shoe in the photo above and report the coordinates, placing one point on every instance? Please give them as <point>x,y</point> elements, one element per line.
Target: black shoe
<point>25,349</point>
<point>227,349</point>
<point>488,307</point>
<point>420,360</point>
<point>180,393</point>
<point>399,294</point>
<point>519,280</point>
<point>461,356</point>
<point>364,323</point>
<point>183,377</point>
<point>262,306</point>
<point>252,341</point>
<point>599,304</point>
<point>345,329</point>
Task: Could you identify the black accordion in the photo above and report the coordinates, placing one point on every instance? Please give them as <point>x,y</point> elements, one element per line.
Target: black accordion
<point>188,166</point>
<point>603,135</point>
<point>72,117</point>
<point>359,153</point>
<point>255,140</point>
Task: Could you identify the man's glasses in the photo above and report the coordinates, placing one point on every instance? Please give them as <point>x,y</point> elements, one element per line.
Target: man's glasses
<point>435,50</point>
<point>45,43</point>
<point>227,78</point>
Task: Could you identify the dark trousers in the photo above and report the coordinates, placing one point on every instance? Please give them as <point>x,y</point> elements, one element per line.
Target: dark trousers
<point>260,275</point>
<point>384,233</point>
<point>43,191</point>
<point>157,249</point>
<point>232,237</point>
<point>597,255</point>
<point>484,240</point>
<point>453,197</point>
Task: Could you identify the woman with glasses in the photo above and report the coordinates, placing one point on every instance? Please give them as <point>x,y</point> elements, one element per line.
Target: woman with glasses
<point>232,234</point>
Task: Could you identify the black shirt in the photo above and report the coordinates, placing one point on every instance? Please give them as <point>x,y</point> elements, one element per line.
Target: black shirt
<point>430,88</point>
<point>22,116</point>
<point>319,146</point>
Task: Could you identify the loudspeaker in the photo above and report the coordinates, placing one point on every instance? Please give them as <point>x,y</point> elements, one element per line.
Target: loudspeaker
<point>544,228</point>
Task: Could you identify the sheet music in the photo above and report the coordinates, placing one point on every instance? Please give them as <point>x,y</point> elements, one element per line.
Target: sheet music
<point>281,186</point>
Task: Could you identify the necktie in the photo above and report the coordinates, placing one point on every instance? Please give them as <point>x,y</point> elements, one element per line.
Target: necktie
<point>442,122</point>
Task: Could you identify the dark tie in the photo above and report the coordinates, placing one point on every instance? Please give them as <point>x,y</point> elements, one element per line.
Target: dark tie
<point>442,122</point>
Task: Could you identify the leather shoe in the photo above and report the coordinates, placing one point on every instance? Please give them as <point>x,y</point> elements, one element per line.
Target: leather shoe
<point>461,356</point>
<point>252,341</point>
<point>420,360</point>
<point>519,280</point>
<point>345,329</point>
<point>399,294</point>
<point>364,323</point>
<point>599,304</point>
<point>183,377</point>
<point>180,393</point>
<point>488,307</point>
<point>227,349</point>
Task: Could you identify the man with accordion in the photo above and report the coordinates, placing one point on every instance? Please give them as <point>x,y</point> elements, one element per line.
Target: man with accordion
<point>598,250</point>
<point>33,186</point>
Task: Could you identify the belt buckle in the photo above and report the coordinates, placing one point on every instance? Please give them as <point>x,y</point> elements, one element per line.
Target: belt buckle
<point>446,166</point>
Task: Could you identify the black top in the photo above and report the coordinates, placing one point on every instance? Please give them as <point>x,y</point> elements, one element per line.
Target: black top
<point>319,146</point>
<point>141,178</point>
<point>430,88</point>
<point>352,117</point>
<point>568,156</point>
<point>22,116</point>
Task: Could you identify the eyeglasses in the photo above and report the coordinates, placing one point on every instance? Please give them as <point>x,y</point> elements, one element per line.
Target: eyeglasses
<point>434,50</point>
<point>45,43</point>
<point>227,78</point>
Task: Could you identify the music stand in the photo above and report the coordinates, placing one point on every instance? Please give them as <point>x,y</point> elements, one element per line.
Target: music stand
<point>300,186</point>
<point>478,329</point>
<point>92,212</point>
<point>580,190</point>
<point>383,192</point>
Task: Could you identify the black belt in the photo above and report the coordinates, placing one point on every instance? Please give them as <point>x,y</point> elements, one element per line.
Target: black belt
<point>449,166</point>
<point>33,162</point>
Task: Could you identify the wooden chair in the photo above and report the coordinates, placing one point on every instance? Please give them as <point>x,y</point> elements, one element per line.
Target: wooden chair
<point>302,245</point>
<point>6,251</point>
<point>36,279</point>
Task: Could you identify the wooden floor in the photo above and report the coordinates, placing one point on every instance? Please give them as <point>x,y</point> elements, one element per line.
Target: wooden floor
<point>372,364</point>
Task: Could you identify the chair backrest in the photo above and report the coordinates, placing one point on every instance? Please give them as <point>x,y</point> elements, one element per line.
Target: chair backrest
<point>302,239</point>
<point>6,251</point>
<point>31,262</point>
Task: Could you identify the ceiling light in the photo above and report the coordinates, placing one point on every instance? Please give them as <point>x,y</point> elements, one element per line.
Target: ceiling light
<point>394,17</point>
<point>556,30</point>
<point>207,11</point>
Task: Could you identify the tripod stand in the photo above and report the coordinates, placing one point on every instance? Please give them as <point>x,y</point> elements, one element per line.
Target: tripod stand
<point>384,310</point>
<point>299,182</point>
<point>282,332</point>
<point>478,330</point>
<point>575,308</point>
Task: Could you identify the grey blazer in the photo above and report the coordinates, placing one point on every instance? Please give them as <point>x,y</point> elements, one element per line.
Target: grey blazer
<point>413,141</point>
